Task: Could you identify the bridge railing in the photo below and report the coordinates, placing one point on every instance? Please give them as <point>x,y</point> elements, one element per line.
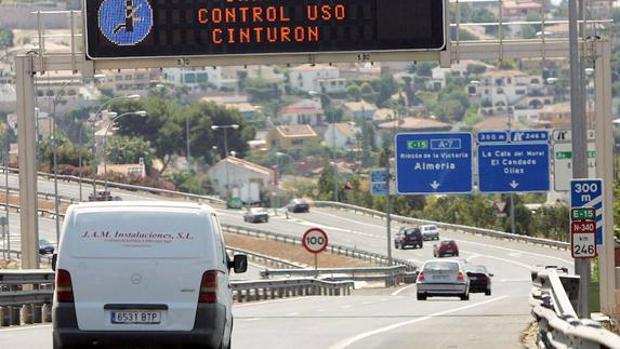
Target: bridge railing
<point>447,226</point>
<point>553,299</point>
<point>26,295</point>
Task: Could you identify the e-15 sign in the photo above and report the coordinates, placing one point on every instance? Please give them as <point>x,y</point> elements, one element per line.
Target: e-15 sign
<point>158,28</point>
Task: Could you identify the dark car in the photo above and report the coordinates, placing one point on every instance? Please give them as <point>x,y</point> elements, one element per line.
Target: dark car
<point>46,247</point>
<point>408,237</point>
<point>103,195</point>
<point>256,215</point>
<point>480,279</point>
<point>446,248</point>
<point>298,205</point>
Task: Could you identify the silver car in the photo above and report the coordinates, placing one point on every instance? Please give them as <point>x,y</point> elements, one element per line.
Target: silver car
<point>444,278</point>
<point>430,232</point>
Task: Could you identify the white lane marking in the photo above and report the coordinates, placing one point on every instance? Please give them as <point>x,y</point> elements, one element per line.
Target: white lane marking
<point>248,319</point>
<point>320,310</point>
<point>347,342</point>
<point>399,291</point>
<point>367,303</point>
<point>472,257</point>
<point>293,314</point>
<point>255,304</point>
<point>522,265</point>
<point>513,250</point>
<point>348,220</point>
<point>24,328</point>
<point>347,306</point>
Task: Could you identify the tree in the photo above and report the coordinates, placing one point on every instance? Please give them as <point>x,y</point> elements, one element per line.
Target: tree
<point>161,127</point>
<point>528,31</point>
<point>129,150</point>
<point>354,91</point>
<point>204,115</point>
<point>261,89</point>
<point>6,38</point>
<point>326,183</point>
<point>385,87</point>
<point>425,68</point>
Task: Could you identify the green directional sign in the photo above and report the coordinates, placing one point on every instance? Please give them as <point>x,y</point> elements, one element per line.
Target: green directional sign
<point>563,155</point>
<point>417,145</point>
<point>586,213</point>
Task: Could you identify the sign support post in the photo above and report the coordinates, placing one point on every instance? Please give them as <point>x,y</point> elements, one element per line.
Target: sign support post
<point>315,241</point>
<point>579,131</point>
<point>605,171</point>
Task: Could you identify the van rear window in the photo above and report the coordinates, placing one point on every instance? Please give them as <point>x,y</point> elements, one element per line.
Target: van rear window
<point>139,235</point>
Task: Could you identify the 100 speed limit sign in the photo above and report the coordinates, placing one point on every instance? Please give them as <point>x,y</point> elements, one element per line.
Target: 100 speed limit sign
<point>315,240</point>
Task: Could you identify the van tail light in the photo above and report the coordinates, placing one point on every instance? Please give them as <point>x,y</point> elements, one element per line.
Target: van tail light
<point>460,277</point>
<point>421,277</point>
<point>208,287</point>
<point>64,287</point>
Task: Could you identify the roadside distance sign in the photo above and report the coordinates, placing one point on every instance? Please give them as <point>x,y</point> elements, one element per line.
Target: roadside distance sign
<point>587,196</point>
<point>434,163</point>
<point>513,161</point>
<point>563,158</point>
<point>315,240</point>
<point>583,245</point>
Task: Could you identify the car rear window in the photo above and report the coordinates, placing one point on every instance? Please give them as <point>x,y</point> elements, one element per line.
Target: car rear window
<point>441,266</point>
<point>412,232</point>
<point>139,234</point>
<point>476,269</point>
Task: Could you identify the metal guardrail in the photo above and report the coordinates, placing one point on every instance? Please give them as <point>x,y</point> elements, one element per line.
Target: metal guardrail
<point>332,248</point>
<point>266,260</point>
<point>552,300</point>
<point>245,291</point>
<point>26,295</point>
<point>392,276</point>
<point>150,190</point>
<point>456,227</point>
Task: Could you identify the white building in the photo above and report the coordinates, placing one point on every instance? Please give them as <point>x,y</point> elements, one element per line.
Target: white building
<point>196,79</point>
<point>440,75</point>
<point>304,112</point>
<point>341,135</point>
<point>127,82</point>
<point>321,78</point>
<point>241,178</point>
<point>504,91</point>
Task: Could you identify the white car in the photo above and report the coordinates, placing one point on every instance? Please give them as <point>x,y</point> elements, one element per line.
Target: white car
<point>142,274</point>
<point>430,232</point>
<point>444,278</point>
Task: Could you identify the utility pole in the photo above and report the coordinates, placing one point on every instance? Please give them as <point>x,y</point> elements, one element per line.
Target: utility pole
<point>579,144</point>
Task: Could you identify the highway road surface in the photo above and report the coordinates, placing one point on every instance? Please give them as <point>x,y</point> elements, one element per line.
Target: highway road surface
<point>371,318</point>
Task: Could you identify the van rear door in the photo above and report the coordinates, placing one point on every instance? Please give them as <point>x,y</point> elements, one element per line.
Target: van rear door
<point>138,270</point>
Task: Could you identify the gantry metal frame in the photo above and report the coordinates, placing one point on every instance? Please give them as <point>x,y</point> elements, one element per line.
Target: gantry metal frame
<point>594,49</point>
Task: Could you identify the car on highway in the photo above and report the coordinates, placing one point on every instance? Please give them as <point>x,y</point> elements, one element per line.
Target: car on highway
<point>46,247</point>
<point>408,237</point>
<point>256,215</point>
<point>430,232</point>
<point>443,278</point>
<point>446,248</point>
<point>145,274</point>
<point>103,195</point>
<point>479,279</point>
<point>298,205</point>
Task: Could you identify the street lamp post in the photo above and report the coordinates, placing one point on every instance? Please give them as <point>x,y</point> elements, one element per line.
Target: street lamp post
<point>95,116</point>
<point>225,128</point>
<point>333,134</point>
<point>140,113</point>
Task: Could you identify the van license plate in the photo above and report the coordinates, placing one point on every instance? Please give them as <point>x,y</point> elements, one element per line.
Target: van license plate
<point>136,317</point>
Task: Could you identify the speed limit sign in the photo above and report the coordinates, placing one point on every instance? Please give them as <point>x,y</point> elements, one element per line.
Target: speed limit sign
<point>315,240</point>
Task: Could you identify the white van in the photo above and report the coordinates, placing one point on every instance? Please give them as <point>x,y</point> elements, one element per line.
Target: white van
<point>146,274</point>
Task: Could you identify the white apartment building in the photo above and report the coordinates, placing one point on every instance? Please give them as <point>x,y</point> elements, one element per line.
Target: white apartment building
<point>321,78</point>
